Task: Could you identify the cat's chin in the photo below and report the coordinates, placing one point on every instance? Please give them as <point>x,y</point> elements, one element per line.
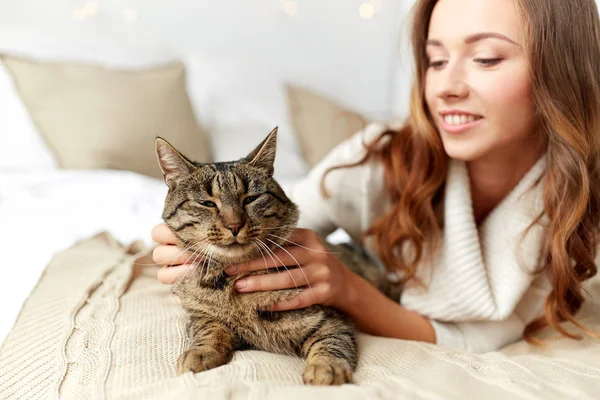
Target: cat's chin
<point>233,253</point>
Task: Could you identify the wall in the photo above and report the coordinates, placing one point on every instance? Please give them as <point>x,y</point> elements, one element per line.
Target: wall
<point>325,44</point>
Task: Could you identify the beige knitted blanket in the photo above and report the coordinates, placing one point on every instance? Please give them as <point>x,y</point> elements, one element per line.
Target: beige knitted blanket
<point>99,325</point>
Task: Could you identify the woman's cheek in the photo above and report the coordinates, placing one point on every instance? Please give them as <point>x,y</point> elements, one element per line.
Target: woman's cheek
<point>507,97</point>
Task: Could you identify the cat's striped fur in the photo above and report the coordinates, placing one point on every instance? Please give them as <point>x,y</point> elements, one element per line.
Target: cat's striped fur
<point>228,213</point>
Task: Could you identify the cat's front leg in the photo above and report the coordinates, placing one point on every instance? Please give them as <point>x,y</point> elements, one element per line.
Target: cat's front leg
<point>331,354</point>
<point>212,346</point>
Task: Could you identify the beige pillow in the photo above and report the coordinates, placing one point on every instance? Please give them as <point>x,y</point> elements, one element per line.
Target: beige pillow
<point>95,118</point>
<point>319,123</point>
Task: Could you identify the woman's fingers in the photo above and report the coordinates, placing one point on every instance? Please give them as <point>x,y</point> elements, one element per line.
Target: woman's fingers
<point>163,235</point>
<point>171,275</point>
<point>172,255</point>
<point>308,297</point>
<point>282,256</point>
<point>176,262</point>
<point>292,278</point>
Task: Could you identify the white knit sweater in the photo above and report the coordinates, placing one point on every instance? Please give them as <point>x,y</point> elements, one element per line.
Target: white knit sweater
<point>479,292</point>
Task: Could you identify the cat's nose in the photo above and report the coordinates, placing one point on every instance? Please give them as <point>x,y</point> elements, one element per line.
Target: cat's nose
<point>235,228</point>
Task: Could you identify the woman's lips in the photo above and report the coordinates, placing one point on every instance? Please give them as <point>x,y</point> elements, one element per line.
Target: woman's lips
<point>456,123</point>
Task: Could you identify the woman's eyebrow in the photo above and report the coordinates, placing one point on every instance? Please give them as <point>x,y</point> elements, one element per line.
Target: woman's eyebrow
<point>488,35</point>
<point>474,38</point>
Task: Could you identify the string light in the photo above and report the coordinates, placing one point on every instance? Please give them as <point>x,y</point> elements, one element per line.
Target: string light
<point>290,8</point>
<point>130,15</point>
<point>90,8</point>
<point>376,5</point>
<point>366,10</point>
<point>79,14</point>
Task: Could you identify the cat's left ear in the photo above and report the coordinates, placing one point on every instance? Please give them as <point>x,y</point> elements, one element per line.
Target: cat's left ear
<point>263,156</point>
<point>172,163</point>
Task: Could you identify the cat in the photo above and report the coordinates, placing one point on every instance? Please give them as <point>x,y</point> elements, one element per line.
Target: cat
<point>230,212</point>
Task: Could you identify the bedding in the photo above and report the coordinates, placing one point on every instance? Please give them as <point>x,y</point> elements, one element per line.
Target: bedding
<point>113,331</point>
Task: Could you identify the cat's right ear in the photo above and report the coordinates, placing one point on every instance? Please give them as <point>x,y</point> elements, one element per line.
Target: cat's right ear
<point>263,156</point>
<point>172,163</point>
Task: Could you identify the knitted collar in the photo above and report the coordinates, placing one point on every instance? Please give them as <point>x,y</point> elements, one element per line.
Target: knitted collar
<point>481,274</point>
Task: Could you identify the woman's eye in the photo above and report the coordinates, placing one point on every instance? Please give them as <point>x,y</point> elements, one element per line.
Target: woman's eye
<point>436,64</point>
<point>488,62</point>
<point>250,199</point>
<point>208,204</point>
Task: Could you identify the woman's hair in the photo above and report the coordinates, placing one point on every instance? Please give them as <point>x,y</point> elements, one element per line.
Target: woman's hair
<point>563,46</point>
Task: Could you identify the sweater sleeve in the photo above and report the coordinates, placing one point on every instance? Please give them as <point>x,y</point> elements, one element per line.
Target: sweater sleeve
<point>342,208</point>
<point>485,336</point>
<point>479,336</point>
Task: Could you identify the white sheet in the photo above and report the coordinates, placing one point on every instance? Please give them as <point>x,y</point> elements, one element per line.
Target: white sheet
<point>47,211</point>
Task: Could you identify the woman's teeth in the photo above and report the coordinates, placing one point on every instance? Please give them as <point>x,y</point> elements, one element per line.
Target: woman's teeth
<point>455,119</point>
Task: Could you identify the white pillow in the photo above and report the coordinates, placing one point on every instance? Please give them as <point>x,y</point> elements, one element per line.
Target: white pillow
<point>23,148</point>
<point>240,102</point>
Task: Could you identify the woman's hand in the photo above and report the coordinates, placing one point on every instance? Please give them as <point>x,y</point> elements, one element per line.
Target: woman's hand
<point>325,279</point>
<point>174,260</point>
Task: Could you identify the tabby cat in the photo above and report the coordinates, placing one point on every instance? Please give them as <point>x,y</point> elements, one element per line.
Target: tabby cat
<point>230,212</point>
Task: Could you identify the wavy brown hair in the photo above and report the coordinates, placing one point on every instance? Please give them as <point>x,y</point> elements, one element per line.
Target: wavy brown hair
<point>563,45</point>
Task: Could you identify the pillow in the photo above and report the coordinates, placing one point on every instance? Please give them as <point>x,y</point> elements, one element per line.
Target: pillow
<point>320,123</point>
<point>99,118</point>
<point>28,151</point>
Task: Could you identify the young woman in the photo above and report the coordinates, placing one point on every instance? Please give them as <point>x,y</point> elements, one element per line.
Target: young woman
<point>485,204</point>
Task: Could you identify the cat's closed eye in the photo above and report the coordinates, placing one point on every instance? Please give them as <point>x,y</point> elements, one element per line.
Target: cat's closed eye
<point>208,204</point>
<point>251,199</point>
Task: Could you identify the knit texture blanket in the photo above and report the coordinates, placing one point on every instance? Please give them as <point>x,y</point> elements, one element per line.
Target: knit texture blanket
<point>99,325</point>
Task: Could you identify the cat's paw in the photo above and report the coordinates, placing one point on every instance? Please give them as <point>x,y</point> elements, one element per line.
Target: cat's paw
<point>327,373</point>
<point>200,359</point>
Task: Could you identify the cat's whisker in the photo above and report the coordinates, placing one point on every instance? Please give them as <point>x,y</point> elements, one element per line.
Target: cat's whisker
<point>208,265</point>
<point>284,266</point>
<point>276,227</point>
<point>299,266</point>
<point>204,264</point>
<point>264,246</point>
<point>177,255</point>
<point>299,245</point>
<point>186,273</point>
<point>261,253</point>
<point>201,253</point>
<point>208,251</point>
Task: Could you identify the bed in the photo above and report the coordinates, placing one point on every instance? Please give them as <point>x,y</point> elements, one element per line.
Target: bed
<point>83,315</point>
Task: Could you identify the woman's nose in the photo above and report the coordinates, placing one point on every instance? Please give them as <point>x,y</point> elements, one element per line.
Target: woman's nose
<point>452,83</point>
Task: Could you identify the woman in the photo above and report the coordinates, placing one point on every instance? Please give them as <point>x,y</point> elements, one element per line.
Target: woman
<point>485,203</point>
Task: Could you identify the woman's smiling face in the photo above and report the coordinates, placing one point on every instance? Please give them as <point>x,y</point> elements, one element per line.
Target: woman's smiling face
<point>477,85</point>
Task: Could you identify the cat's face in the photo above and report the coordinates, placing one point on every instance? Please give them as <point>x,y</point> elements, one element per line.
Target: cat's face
<point>228,211</point>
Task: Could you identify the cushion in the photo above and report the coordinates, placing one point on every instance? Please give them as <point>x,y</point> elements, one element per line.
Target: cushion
<point>319,122</point>
<point>100,325</point>
<point>98,118</point>
<point>28,152</point>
